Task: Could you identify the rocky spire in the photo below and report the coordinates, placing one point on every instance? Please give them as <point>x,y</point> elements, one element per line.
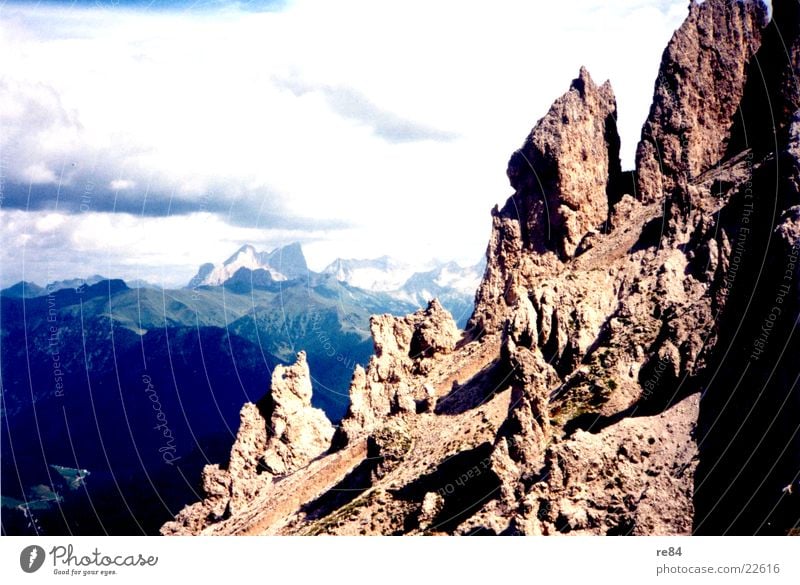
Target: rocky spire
<point>561,176</point>
<point>565,162</point>
<point>394,379</point>
<point>297,432</point>
<point>276,437</point>
<point>697,92</point>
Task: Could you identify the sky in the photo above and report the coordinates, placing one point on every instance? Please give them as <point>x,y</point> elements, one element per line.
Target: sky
<point>140,139</point>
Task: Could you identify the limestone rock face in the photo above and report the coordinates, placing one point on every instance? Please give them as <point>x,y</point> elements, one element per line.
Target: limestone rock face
<point>771,94</point>
<point>566,162</point>
<point>635,477</point>
<point>280,435</point>
<point>592,392</point>
<point>394,380</point>
<point>246,453</point>
<point>217,488</point>
<point>697,92</point>
<point>562,176</point>
<point>506,258</point>
<point>298,432</point>
<point>526,430</point>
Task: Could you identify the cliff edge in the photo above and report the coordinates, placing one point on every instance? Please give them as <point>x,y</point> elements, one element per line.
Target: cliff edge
<point>628,366</point>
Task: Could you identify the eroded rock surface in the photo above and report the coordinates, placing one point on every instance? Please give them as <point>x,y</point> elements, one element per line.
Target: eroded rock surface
<point>394,381</point>
<point>635,477</point>
<point>275,438</point>
<point>698,90</point>
<point>611,303</point>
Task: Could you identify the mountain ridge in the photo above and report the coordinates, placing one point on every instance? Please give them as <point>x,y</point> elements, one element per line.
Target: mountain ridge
<point>589,393</point>
<point>198,352</point>
<point>282,263</point>
<point>454,285</point>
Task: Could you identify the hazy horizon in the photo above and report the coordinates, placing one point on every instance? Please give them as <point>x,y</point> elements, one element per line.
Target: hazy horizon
<point>142,139</point>
<point>422,266</point>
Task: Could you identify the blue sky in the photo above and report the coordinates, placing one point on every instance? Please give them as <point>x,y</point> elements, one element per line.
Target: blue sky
<point>140,142</point>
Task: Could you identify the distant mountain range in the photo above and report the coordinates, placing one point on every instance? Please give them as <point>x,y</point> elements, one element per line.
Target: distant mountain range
<point>285,263</point>
<point>382,274</point>
<point>85,361</point>
<point>451,283</point>
<point>29,290</point>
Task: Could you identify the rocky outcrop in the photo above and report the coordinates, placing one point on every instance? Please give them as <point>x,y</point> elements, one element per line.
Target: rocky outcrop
<point>276,437</point>
<point>698,90</point>
<point>244,472</point>
<point>563,177</point>
<point>635,477</point>
<point>628,368</point>
<point>565,164</point>
<point>771,95</point>
<point>394,381</point>
<point>297,432</point>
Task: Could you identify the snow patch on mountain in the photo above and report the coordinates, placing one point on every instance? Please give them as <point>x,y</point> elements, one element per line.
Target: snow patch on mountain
<point>382,274</point>
<point>284,263</point>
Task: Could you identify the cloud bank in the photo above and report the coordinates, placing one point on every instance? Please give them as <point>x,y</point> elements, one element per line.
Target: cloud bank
<point>359,128</point>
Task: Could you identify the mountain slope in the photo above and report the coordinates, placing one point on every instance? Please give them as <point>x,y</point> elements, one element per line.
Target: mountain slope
<point>105,354</point>
<point>23,289</point>
<point>618,317</point>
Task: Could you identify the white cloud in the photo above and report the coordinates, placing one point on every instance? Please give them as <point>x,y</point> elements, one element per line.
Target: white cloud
<point>47,246</point>
<point>49,222</point>
<point>400,121</point>
<point>38,173</point>
<point>121,185</point>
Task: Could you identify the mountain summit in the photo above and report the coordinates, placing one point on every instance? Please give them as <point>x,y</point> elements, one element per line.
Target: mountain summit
<point>284,263</point>
<point>630,365</point>
<point>453,285</point>
<point>378,274</point>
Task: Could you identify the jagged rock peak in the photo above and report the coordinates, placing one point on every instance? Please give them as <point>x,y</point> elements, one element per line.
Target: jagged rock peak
<point>416,336</point>
<point>697,92</point>
<point>276,437</point>
<point>405,349</point>
<point>283,263</point>
<point>298,432</point>
<point>566,161</point>
<point>584,80</point>
<point>563,176</point>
